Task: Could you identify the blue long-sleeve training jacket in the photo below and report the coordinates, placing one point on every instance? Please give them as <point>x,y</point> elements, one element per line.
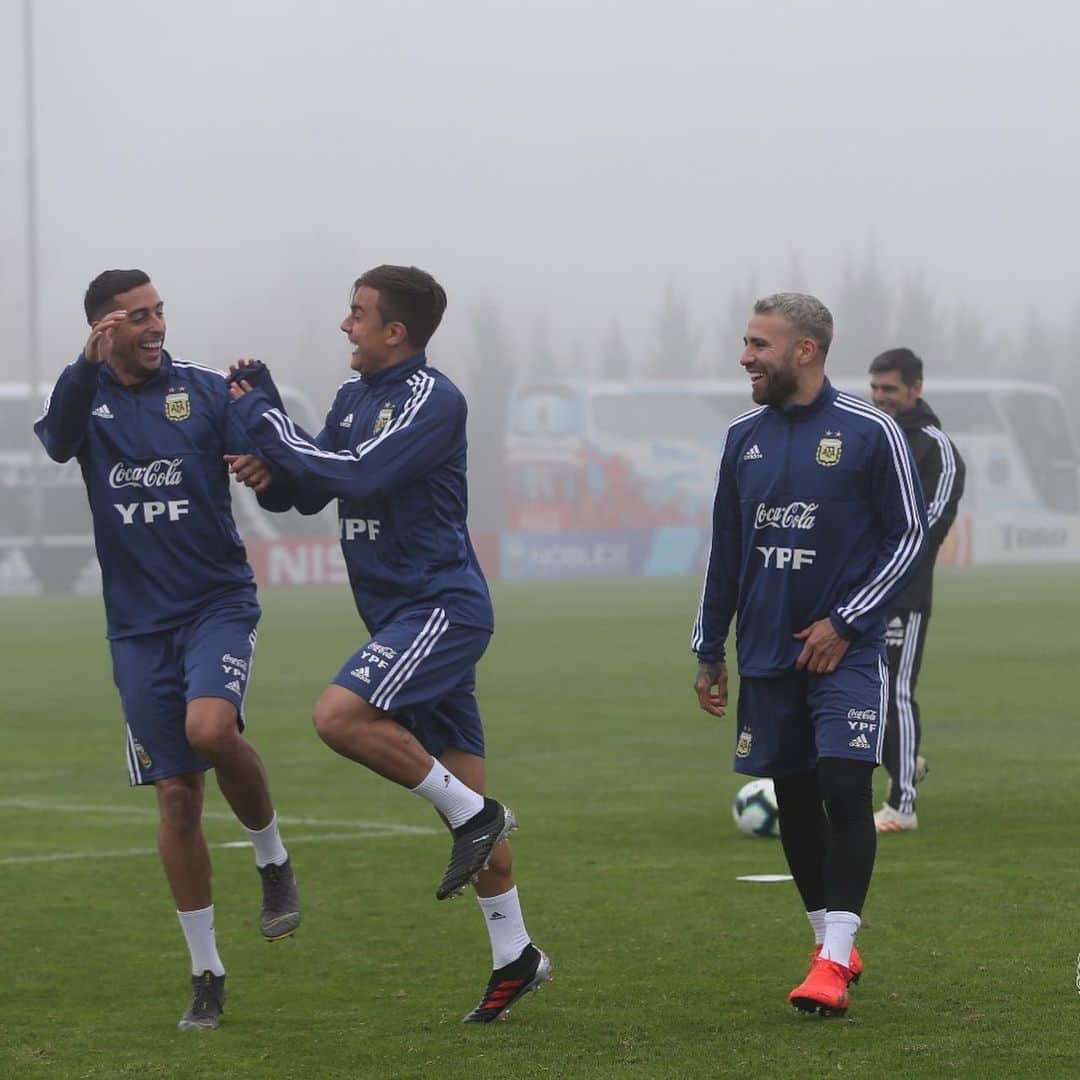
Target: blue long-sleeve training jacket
<point>818,512</point>
<point>152,461</point>
<point>392,452</point>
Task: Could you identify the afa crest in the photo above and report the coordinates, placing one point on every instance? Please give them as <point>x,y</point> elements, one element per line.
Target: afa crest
<point>829,449</point>
<point>386,414</point>
<point>742,749</point>
<point>177,404</point>
<point>141,754</point>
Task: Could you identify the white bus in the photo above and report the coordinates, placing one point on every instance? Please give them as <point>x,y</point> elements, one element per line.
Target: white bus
<point>611,456</point>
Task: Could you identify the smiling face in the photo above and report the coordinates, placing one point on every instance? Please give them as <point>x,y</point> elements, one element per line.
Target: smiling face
<point>137,341</point>
<point>891,394</point>
<point>771,357</point>
<point>376,344</point>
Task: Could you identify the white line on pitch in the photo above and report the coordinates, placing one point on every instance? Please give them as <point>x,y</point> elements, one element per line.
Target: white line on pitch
<point>125,853</point>
<point>136,813</point>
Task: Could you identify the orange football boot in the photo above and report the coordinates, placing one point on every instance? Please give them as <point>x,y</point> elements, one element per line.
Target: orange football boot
<point>854,962</point>
<point>824,990</point>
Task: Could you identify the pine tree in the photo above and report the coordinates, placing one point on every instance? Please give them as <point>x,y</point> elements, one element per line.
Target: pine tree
<point>615,356</point>
<point>677,343</point>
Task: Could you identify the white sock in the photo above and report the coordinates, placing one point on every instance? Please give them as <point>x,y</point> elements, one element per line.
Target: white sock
<point>267,843</point>
<point>840,930</point>
<point>817,924</point>
<point>506,926</point>
<point>198,927</point>
<point>456,802</point>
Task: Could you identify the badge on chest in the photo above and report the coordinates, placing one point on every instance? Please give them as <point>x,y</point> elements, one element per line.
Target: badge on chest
<point>829,449</point>
<point>177,404</point>
<point>386,414</point>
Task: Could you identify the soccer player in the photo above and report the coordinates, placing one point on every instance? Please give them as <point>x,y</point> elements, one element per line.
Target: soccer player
<point>818,524</point>
<point>393,453</point>
<point>150,433</point>
<point>896,380</point>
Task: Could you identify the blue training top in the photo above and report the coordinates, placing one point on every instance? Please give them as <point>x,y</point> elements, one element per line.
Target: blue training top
<point>152,461</point>
<point>392,452</point>
<point>818,512</point>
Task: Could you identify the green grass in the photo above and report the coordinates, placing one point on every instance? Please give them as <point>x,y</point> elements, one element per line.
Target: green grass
<point>666,966</point>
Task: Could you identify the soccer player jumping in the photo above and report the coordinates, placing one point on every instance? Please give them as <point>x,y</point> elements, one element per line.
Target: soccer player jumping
<point>393,453</point>
<point>150,433</point>
<point>818,524</point>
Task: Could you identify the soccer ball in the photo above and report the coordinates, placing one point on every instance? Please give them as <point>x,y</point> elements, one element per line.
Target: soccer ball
<point>754,809</point>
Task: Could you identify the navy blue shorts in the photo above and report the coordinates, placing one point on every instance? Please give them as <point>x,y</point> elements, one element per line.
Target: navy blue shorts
<point>789,721</point>
<point>422,671</point>
<point>158,674</point>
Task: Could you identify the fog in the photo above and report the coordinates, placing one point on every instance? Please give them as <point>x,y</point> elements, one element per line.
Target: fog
<point>562,166</point>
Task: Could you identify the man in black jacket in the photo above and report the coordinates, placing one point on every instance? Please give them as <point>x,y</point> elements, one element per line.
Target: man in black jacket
<point>896,379</point>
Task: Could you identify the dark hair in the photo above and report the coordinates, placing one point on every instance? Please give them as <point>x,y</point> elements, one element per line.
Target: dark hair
<point>903,360</point>
<point>106,287</point>
<point>407,295</point>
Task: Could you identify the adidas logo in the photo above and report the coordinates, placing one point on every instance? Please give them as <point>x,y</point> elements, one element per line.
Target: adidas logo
<point>860,742</point>
<point>496,915</point>
<point>347,422</point>
<point>234,686</point>
<point>103,411</point>
<point>753,454</point>
<point>361,673</point>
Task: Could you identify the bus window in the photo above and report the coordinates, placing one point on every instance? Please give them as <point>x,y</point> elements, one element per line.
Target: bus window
<point>543,412</point>
<point>969,413</point>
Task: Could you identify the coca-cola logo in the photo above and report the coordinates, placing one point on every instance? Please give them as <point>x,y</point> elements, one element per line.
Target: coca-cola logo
<point>164,472</point>
<point>796,515</point>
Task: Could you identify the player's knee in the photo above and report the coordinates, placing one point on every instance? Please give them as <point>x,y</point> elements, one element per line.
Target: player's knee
<point>211,727</point>
<point>339,718</point>
<point>212,739</point>
<point>332,723</point>
<point>847,787</point>
<point>179,803</point>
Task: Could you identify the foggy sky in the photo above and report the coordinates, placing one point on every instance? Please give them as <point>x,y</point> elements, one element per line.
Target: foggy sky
<point>562,159</point>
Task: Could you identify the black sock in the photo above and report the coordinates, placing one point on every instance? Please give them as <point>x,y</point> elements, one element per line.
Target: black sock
<point>803,834</point>
<point>847,789</point>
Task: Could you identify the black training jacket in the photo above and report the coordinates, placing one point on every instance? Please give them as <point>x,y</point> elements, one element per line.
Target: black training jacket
<point>941,470</point>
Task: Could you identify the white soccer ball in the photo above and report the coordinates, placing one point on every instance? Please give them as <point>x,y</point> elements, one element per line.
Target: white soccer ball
<point>754,809</point>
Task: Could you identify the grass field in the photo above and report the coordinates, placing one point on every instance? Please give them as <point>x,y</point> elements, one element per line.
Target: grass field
<point>666,966</point>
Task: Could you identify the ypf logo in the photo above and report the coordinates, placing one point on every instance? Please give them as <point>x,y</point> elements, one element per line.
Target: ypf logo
<point>784,557</point>
<point>351,528</point>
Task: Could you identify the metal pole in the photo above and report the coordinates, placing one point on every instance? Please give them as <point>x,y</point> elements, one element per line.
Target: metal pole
<point>33,326</point>
<point>33,323</point>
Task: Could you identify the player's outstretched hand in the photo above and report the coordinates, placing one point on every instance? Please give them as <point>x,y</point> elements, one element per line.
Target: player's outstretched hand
<point>98,347</point>
<point>238,367</point>
<point>823,648</point>
<point>249,470</point>
<point>710,685</point>
<point>237,384</point>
